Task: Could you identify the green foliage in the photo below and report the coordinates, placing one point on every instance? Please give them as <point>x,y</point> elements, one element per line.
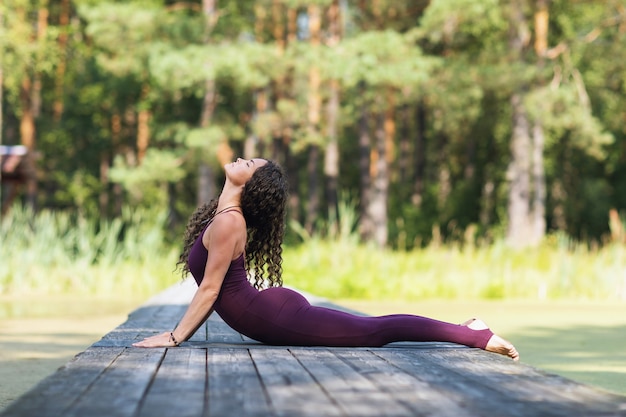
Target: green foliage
<point>462,22</point>
<point>23,51</point>
<point>558,269</point>
<point>452,59</point>
<point>385,58</point>
<point>334,263</point>
<point>181,69</point>
<point>157,168</point>
<point>112,25</point>
<point>61,252</point>
<point>562,113</point>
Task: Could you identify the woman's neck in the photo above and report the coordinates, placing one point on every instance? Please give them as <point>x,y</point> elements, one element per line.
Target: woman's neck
<point>229,197</point>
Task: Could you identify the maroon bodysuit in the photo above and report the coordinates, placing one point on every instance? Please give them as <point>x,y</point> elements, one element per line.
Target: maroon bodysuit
<point>280,316</point>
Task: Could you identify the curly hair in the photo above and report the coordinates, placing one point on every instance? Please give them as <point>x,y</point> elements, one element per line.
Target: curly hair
<point>263,203</point>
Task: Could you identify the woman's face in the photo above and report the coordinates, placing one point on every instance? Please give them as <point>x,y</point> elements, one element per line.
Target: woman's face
<point>240,171</point>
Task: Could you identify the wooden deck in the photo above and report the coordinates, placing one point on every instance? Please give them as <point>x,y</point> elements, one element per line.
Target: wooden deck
<point>221,373</point>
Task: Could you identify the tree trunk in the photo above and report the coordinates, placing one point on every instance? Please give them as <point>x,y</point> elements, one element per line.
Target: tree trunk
<point>313,118</point>
<point>27,135</point>
<point>143,126</point>
<point>331,157</point>
<point>444,179</point>
<point>64,21</point>
<point>103,198</point>
<point>206,186</point>
<point>470,155</point>
<point>206,190</point>
<point>116,138</point>
<point>293,173</point>
<point>519,232</point>
<point>278,28</point>
<point>42,29</point>
<point>278,86</point>
<point>419,155</point>
<point>389,126</point>
<point>292,25</point>
<point>313,193</point>
<point>404,145</point>
<point>488,192</point>
<point>366,227</point>
<point>380,184</point>
<point>538,214</point>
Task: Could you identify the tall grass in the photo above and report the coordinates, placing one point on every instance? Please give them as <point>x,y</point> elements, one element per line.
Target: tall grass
<point>340,267</point>
<point>59,253</point>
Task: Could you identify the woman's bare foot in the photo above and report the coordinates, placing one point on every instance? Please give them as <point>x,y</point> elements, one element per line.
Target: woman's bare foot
<point>496,344</point>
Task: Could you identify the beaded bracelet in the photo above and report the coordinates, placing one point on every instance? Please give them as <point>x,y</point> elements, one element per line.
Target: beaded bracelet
<point>173,339</point>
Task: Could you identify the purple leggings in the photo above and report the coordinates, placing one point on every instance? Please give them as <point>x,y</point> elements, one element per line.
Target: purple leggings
<point>296,322</point>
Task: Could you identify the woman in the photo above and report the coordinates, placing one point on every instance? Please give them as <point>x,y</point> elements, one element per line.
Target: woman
<point>242,232</point>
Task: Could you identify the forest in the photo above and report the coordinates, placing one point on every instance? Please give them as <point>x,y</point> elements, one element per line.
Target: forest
<point>450,120</point>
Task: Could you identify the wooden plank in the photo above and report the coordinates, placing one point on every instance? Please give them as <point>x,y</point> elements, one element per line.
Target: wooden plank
<point>493,385</point>
<point>143,322</point>
<point>53,396</point>
<point>201,334</point>
<point>220,332</point>
<point>547,392</point>
<point>120,388</point>
<point>469,393</point>
<point>355,394</point>
<point>416,395</point>
<point>234,387</point>
<point>179,386</point>
<point>290,388</point>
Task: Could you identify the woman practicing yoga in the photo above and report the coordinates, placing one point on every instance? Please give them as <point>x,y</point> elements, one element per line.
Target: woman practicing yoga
<point>239,236</point>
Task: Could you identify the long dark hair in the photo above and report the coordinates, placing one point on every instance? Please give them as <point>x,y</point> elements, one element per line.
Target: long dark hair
<point>263,203</point>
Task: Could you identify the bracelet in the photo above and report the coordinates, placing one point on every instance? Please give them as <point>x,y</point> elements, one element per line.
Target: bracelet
<point>173,339</point>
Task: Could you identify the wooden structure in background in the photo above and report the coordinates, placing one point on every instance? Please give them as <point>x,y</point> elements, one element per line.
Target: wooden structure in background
<point>16,170</point>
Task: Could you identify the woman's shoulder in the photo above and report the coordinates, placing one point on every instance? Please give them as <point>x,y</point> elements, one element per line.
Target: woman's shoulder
<point>226,230</point>
<point>229,218</point>
<point>227,223</point>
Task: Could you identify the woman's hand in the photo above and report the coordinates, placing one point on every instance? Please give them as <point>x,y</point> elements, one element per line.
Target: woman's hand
<point>159,340</point>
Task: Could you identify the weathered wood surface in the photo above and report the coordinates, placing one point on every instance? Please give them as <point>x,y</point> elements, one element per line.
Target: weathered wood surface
<point>222,373</point>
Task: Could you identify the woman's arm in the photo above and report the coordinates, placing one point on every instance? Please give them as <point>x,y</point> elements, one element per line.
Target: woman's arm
<point>224,243</point>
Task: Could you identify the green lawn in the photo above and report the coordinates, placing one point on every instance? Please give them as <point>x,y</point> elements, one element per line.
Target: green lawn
<point>583,341</point>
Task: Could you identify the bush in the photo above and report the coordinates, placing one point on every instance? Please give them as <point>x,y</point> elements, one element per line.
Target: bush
<point>61,252</point>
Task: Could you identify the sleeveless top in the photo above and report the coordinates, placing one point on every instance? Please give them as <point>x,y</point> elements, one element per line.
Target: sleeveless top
<point>236,292</point>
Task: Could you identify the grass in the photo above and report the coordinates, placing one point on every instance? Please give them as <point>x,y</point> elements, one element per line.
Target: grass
<point>61,253</point>
<point>343,269</point>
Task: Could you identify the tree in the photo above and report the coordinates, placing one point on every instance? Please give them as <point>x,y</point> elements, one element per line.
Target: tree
<point>519,232</point>
<point>28,55</point>
<point>433,102</point>
<point>381,65</point>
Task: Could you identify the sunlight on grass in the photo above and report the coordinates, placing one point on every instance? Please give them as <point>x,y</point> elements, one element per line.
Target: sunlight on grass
<point>59,253</point>
<point>348,270</point>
